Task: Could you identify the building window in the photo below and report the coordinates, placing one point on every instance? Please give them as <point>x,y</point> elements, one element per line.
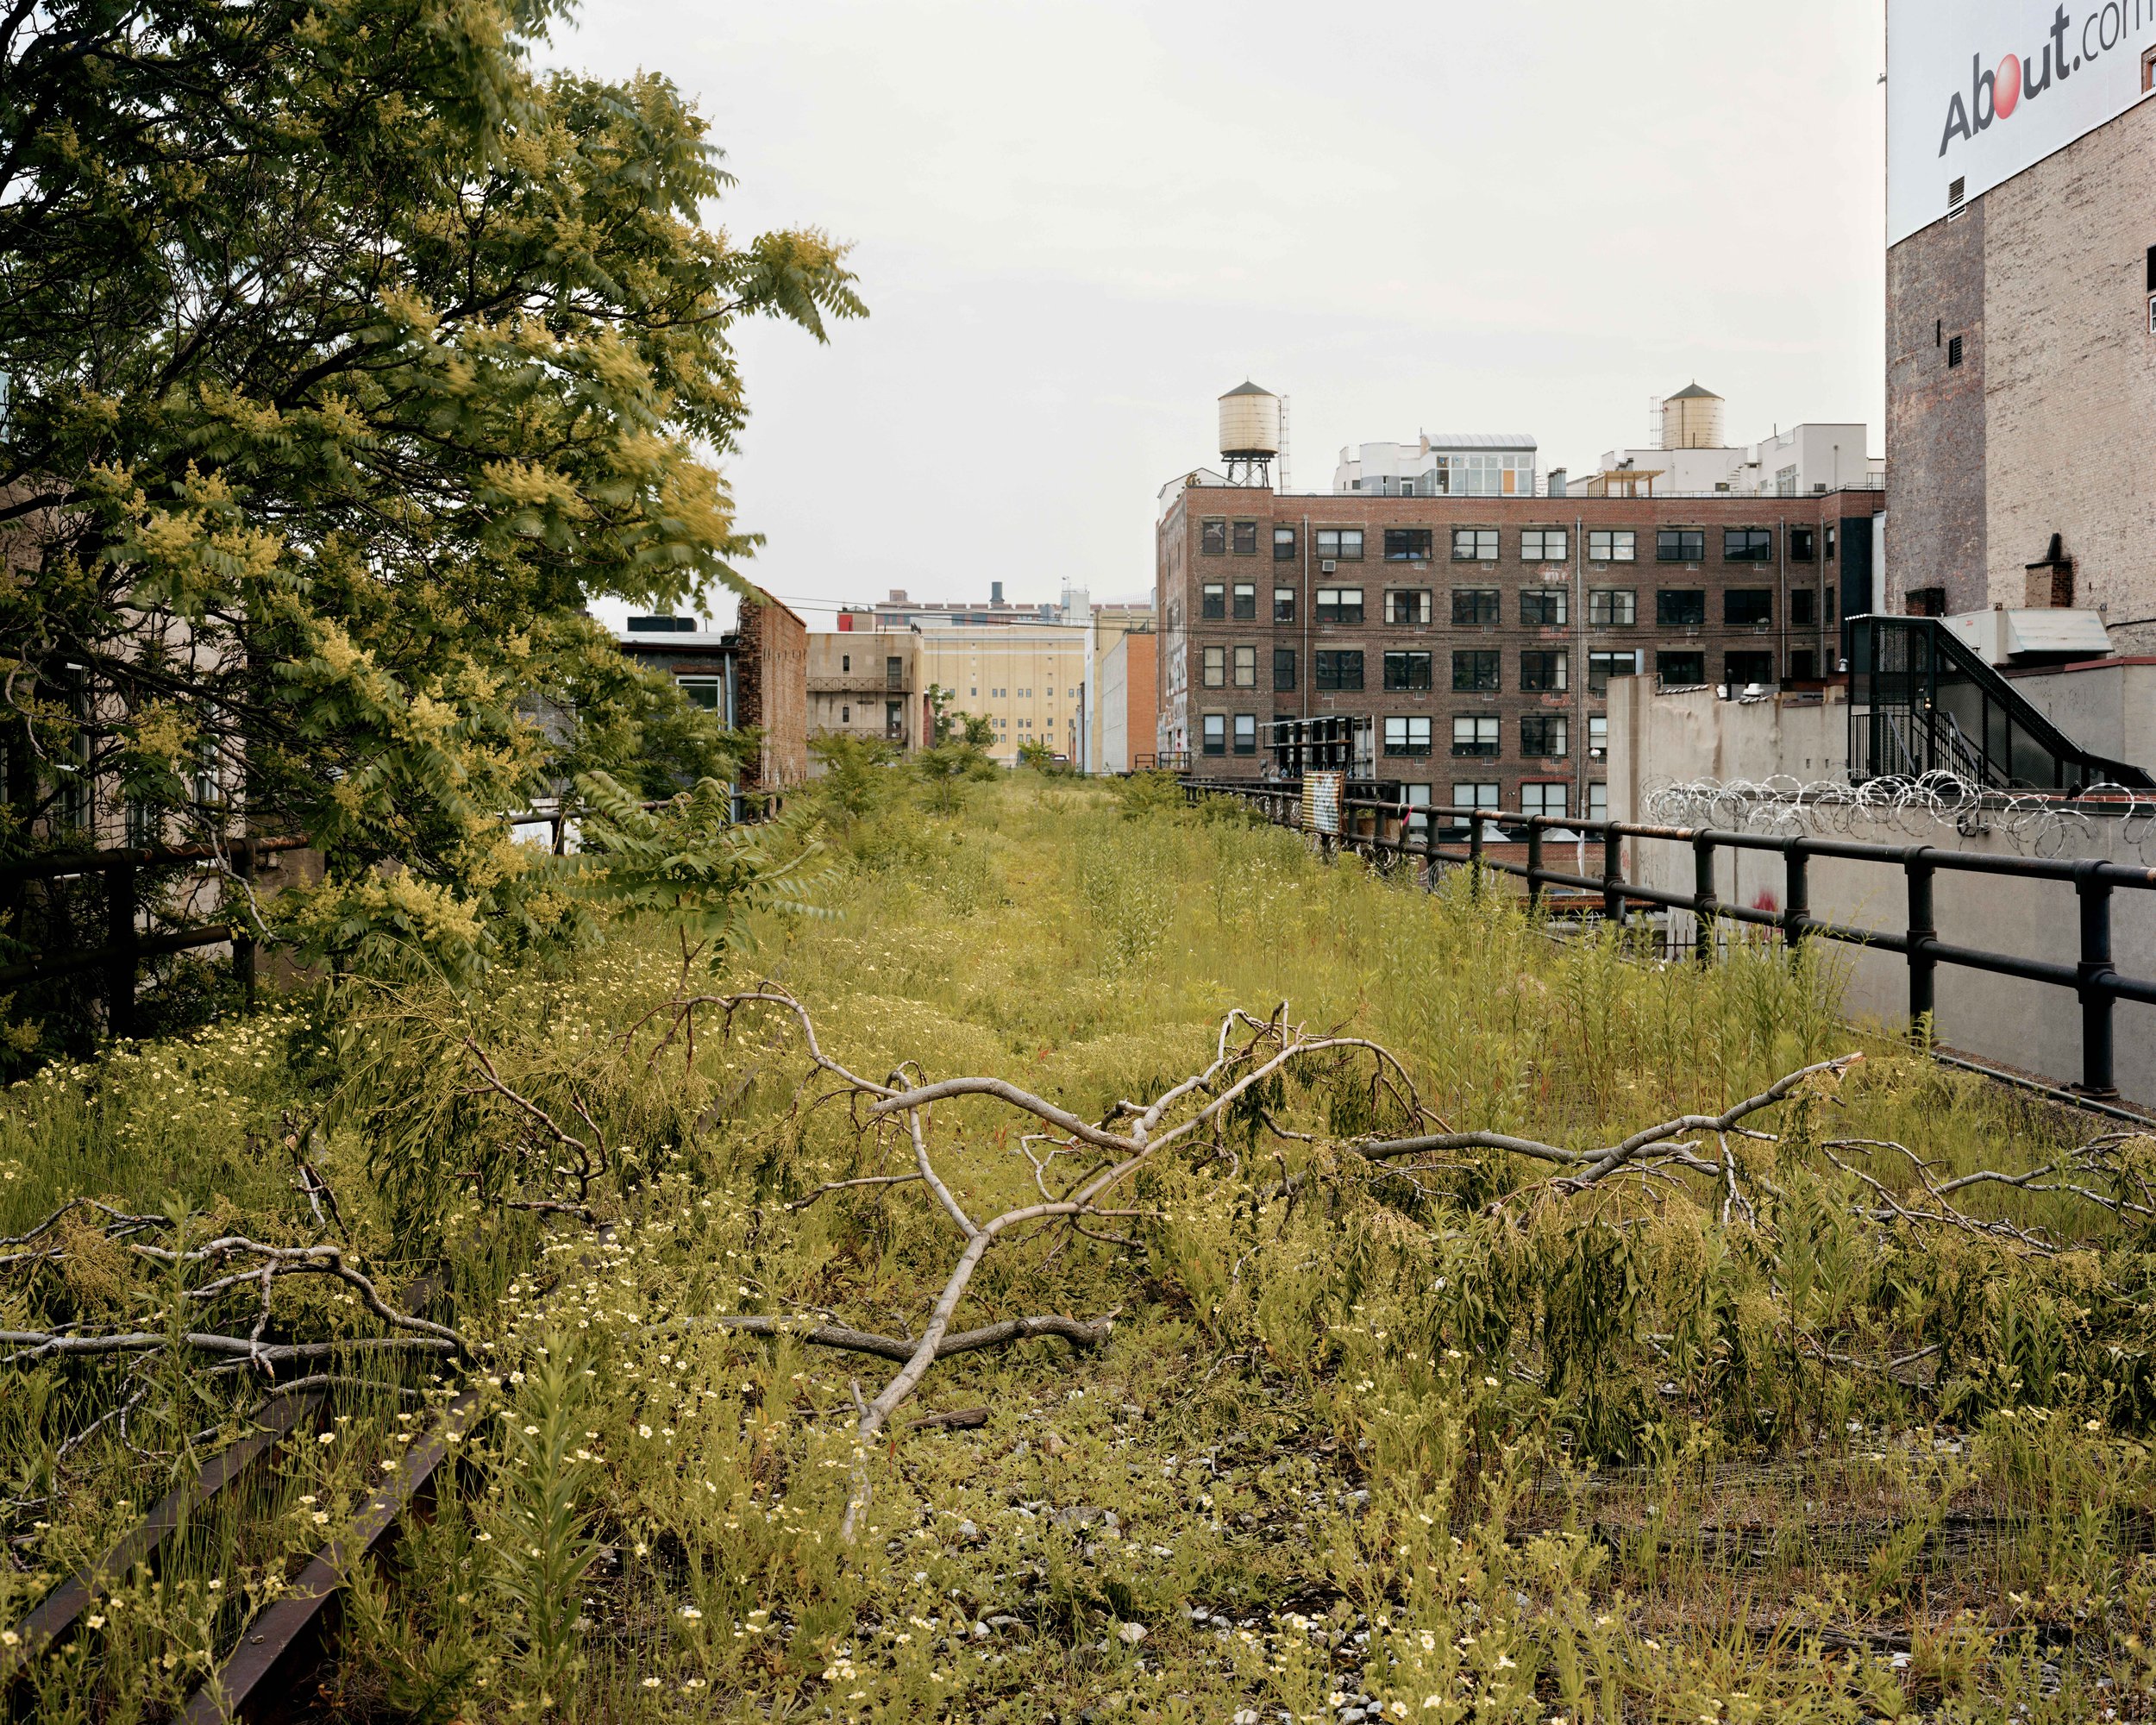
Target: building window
<point>700,691</point>
<point>1542,797</point>
<point>1245,539</point>
<point>1613,545</point>
<point>1475,735</point>
<point>1804,544</point>
<point>1747,544</point>
<point>1542,607</point>
<point>1830,544</point>
<point>1804,608</point>
<point>1243,608</point>
<point>1212,537</point>
<point>1409,735</point>
<point>1283,668</point>
<point>1216,733</point>
<point>1406,544</point>
<point>1474,607</point>
<point>846,663</point>
<point>1213,600</point>
<point>1408,607</point>
<point>1601,666</point>
<point>1283,545</point>
<point>1216,668</point>
<point>1340,544</point>
<point>1475,673</point>
<point>894,673</point>
<point>1680,545</point>
<point>894,720</point>
<point>1612,607</point>
<point>1542,671</point>
<point>1340,604</point>
<point>1747,607</point>
<point>1953,351</point>
<point>1597,800</point>
<point>1598,736</point>
<point>1681,607</point>
<point>845,715</point>
<point>1745,668</point>
<point>1246,733</point>
<point>1484,794</point>
<point>1283,605</point>
<point>1340,670</point>
<point>1927,602</point>
<point>1545,545</point>
<point>1803,664</point>
<point>1246,667</point>
<point>1407,671</point>
<point>1417,798</point>
<point>1542,736</point>
<point>1680,670</point>
<point>1473,544</point>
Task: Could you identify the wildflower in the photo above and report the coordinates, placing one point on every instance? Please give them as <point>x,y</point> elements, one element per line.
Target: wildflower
<point>327,1438</point>
<point>651,1682</point>
<point>690,1614</point>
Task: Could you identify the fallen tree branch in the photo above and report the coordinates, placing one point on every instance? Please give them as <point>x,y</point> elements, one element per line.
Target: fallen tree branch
<point>1075,1331</point>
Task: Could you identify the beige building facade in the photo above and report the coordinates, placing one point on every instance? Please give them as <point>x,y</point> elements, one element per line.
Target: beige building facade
<point>866,685</point>
<point>1027,681</point>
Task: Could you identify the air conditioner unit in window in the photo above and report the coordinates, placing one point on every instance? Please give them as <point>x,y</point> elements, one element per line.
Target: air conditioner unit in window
<point>1327,567</point>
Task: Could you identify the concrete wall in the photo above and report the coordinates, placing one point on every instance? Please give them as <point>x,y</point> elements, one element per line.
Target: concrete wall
<point>1115,707</point>
<point>1936,416</point>
<point>1657,740</point>
<point>2108,705</point>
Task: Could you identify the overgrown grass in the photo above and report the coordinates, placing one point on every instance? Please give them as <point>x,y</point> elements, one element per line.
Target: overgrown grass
<point>1449,1447</point>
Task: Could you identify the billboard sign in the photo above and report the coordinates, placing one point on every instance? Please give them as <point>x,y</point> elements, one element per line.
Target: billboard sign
<point>1979,90</point>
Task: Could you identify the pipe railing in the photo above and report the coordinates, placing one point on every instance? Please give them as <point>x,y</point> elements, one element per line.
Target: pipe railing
<point>2092,977</point>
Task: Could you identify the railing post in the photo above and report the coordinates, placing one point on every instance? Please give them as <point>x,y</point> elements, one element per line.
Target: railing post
<point>1430,863</point>
<point>1534,865</point>
<point>1612,877</point>
<point>243,922</point>
<point>1703,901</point>
<point>1796,895</point>
<point>1922,930</point>
<point>1475,855</point>
<point>119,904</point>
<point>2097,1078</point>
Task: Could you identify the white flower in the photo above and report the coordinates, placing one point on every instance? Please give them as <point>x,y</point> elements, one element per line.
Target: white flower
<point>690,1614</point>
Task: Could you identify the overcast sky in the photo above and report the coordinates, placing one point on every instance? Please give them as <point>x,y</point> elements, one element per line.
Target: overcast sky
<point>1076,222</point>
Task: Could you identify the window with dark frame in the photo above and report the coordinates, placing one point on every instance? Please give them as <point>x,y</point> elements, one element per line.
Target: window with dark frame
<point>1340,544</point>
<point>1804,544</point>
<point>1476,671</point>
<point>1408,734</point>
<point>1680,670</point>
<point>1214,673</point>
<point>1245,539</point>
<point>1283,545</point>
<point>1246,733</point>
<point>1475,736</point>
<point>1803,608</point>
<point>1680,545</point>
<point>1407,544</point>
<point>1339,605</point>
<point>893,673</point>
<point>1338,669</point>
<point>1283,669</point>
<point>1283,605</point>
<point>1612,607</point>
<point>1804,665</point>
<point>1214,731</point>
<point>1681,608</point>
<point>1408,607</point>
<point>1613,545</point>
<point>1213,536</point>
<point>1246,667</point>
<point>1213,600</point>
<point>1545,545</point>
<point>1407,671</point>
<point>1543,736</point>
<point>1543,670</point>
<point>1747,607</point>
<point>1542,607</point>
<point>1475,607</point>
<point>1744,670</point>
<point>1747,545</point>
<point>1601,666</point>
<point>1552,799</point>
<point>1244,602</point>
<point>1475,544</point>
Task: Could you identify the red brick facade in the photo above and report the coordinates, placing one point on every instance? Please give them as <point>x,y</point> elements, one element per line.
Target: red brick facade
<point>1781,623</point>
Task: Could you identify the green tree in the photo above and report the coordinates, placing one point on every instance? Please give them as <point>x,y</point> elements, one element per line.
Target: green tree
<point>349,356</point>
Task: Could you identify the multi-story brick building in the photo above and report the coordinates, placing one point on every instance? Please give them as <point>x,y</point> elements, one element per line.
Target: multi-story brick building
<point>1480,633</point>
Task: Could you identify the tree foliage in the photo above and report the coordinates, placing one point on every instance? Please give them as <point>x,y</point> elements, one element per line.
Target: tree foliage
<point>350,356</point>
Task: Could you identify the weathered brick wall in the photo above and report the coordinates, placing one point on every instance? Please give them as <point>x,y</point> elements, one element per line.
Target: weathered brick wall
<point>771,669</point>
<point>1935,415</point>
<point>2070,382</point>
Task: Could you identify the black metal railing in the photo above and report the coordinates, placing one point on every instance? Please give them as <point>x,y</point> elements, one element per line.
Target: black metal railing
<point>1388,828</point>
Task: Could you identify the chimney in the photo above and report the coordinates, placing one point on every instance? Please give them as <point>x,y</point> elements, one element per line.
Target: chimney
<point>995,592</point>
<point>1559,482</point>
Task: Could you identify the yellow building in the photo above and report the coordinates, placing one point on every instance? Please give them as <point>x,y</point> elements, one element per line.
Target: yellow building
<point>1028,681</point>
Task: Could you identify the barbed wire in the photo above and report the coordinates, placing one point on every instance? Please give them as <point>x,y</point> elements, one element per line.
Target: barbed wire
<point>2032,824</point>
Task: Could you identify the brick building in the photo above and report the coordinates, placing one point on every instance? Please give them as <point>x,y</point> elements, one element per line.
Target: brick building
<point>2021,317</point>
<point>867,684</point>
<point>754,676</point>
<point>1480,632</point>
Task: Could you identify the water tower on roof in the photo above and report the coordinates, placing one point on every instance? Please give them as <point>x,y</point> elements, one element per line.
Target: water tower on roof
<point>1249,435</point>
<point>1692,419</point>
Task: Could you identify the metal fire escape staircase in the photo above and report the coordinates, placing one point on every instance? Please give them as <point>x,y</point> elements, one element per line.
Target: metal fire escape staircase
<point>1920,701</point>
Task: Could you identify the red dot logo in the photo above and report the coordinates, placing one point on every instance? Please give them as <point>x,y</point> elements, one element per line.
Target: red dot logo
<point>2007,97</point>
